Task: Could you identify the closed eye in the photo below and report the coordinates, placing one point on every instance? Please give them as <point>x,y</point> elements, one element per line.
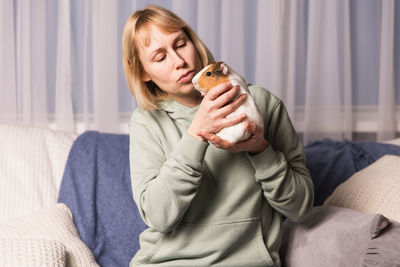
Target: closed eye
<point>160,58</point>
<point>181,44</point>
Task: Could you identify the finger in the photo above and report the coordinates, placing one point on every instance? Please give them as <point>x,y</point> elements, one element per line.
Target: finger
<point>211,138</point>
<point>218,90</point>
<point>227,97</point>
<point>205,135</point>
<point>250,127</point>
<point>223,144</point>
<point>203,139</point>
<point>217,141</point>
<point>247,126</point>
<point>228,109</point>
<point>226,122</point>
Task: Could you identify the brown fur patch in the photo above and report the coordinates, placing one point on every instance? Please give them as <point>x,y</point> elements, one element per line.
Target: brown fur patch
<point>217,77</point>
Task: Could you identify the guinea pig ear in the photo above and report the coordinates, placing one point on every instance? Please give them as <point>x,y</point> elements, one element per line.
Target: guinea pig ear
<point>224,68</point>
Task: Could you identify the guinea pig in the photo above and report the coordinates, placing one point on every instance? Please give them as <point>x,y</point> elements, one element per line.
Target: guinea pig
<point>217,73</point>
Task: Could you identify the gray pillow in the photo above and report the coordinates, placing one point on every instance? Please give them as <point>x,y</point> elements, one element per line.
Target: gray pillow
<point>333,236</point>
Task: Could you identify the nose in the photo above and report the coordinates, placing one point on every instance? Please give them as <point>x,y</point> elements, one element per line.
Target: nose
<point>178,60</point>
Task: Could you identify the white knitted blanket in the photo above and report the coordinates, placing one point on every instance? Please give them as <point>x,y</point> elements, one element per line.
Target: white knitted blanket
<point>48,236</point>
<point>31,252</point>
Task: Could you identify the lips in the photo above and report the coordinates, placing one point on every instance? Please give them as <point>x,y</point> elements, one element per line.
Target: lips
<point>186,77</point>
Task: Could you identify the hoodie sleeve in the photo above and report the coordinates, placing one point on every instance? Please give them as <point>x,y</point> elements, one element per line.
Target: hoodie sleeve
<point>281,169</point>
<point>163,188</point>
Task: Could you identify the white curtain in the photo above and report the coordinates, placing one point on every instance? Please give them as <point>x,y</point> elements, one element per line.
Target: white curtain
<point>335,63</point>
<point>327,103</point>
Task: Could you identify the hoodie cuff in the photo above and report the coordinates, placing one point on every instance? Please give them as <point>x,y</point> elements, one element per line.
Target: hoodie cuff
<point>192,148</point>
<point>265,162</point>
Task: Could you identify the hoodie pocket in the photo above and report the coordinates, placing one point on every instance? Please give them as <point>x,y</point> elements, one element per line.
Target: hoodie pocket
<point>237,243</point>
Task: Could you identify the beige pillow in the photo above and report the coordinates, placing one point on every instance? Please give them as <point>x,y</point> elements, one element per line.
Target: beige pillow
<point>32,161</point>
<point>31,252</point>
<point>395,141</point>
<point>54,224</point>
<point>375,189</point>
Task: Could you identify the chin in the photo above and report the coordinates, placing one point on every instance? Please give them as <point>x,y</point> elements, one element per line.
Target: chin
<point>188,88</point>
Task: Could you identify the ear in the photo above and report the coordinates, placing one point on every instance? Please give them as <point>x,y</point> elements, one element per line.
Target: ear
<point>145,77</point>
<point>224,68</point>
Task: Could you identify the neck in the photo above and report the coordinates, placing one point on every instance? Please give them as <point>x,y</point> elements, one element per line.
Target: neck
<point>189,101</point>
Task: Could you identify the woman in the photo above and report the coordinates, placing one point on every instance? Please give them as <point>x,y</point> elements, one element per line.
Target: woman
<point>206,201</point>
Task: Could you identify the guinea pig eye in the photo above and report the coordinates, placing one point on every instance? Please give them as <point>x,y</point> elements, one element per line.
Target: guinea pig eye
<point>208,73</point>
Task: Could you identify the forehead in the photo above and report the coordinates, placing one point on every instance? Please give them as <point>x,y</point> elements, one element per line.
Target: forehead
<point>151,32</point>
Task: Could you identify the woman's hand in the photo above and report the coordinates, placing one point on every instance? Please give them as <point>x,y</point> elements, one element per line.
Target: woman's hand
<point>215,106</point>
<point>254,144</point>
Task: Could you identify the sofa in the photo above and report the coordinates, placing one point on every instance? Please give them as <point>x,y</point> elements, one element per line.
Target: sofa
<point>66,200</point>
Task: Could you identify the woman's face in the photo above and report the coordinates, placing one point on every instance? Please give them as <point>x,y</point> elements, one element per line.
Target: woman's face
<point>170,60</point>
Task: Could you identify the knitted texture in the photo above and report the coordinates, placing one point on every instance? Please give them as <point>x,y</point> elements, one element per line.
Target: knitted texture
<point>374,189</point>
<point>31,252</point>
<point>54,223</point>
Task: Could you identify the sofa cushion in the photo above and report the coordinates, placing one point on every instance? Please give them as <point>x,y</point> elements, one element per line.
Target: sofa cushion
<point>32,161</point>
<point>340,237</point>
<point>374,189</point>
<point>333,162</point>
<point>395,141</point>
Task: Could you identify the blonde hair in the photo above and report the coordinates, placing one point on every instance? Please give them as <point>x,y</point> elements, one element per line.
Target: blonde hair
<point>148,94</point>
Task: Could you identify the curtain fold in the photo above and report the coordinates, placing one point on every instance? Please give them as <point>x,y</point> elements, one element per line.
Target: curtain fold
<point>105,76</point>
<point>270,46</point>
<point>329,61</point>
<point>64,116</point>
<point>209,25</point>
<point>232,47</point>
<point>85,66</point>
<point>326,98</point>
<point>186,9</point>
<point>293,24</point>
<point>38,65</point>
<point>386,105</point>
<point>8,87</point>
<point>347,74</point>
<point>313,75</point>
<point>24,61</point>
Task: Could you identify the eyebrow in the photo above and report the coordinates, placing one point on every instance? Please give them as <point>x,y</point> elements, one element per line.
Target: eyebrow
<point>180,36</point>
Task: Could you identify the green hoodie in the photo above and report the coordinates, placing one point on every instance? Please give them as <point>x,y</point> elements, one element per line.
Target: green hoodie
<point>207,206</point>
